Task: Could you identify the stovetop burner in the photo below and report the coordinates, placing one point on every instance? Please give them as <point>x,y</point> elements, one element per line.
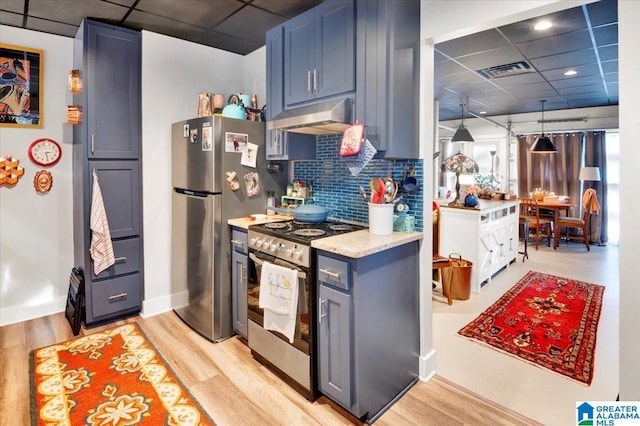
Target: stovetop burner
<point>276,225</point>
<point>309,232</point>
<point>341,227</point>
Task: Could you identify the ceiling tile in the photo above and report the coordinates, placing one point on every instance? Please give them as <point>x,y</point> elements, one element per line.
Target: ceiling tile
<point>574,90</point>
<point>603,12</point>
<point>250,24</point>
<point>51,27</point>
<point>286,8</point>
<point>564,21</point>
<point>608,53</point>
<point>583,103</point>
<point>552,62</point>
<point>577,81</point>
<point>583,71</point>
<point>610,66</point>
<point>11,19</point>
<point>16,6</point>
<point>517,80</point>
<point>606,35</point>
<point>491,58</point>
<point>73,11</point>
<point>203,13</point>
<point>563,43</point>
<point>479,42</point>
<point>161,25</point>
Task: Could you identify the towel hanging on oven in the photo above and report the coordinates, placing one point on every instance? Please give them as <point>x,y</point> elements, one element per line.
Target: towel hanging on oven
<point>279,298</point>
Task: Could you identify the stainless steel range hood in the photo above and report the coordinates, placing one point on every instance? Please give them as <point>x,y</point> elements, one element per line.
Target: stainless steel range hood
<point>322,118</point>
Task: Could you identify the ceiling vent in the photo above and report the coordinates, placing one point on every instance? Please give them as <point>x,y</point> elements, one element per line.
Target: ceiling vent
<point>506,70</point>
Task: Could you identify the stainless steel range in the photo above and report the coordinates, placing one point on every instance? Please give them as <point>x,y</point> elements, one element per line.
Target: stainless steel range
<point>288,244</point>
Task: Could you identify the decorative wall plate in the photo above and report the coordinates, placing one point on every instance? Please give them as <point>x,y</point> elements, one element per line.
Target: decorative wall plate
<point>45,152</point>
<point>42,181</point>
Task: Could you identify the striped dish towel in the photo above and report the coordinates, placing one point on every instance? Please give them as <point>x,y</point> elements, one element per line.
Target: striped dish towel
<point>101,249</point>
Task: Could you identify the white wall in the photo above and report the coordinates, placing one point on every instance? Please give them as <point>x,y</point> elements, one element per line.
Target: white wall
<point>628,12</point>
<point>36,234</point>
<point>173,73</point>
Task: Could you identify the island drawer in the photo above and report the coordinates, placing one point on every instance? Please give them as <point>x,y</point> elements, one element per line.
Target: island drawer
<point>334,272</point>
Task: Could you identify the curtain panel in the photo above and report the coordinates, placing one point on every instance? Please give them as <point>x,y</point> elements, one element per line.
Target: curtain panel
<point>559,172</point>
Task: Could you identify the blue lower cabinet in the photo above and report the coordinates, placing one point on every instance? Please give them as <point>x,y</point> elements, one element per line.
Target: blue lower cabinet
<point>368,328</point>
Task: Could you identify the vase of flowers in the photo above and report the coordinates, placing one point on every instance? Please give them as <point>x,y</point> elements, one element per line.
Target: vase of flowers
<point>471,199</point>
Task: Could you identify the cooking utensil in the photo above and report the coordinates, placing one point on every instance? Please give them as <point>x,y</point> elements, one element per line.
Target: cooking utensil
<point>311,213</point>
<point>363,194</point>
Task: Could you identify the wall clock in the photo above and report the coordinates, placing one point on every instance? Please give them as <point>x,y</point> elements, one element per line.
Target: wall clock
<point>45,152</point>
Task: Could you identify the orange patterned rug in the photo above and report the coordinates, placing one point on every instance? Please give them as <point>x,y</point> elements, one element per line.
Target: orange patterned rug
<point>115,377</point>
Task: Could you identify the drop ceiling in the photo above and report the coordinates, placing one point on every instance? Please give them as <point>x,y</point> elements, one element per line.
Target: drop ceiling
<point>584,39</point>
<point>530,65</point>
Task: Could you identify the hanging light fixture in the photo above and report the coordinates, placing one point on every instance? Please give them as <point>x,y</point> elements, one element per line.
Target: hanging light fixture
<point>462,134</point>
<point>543,144</point>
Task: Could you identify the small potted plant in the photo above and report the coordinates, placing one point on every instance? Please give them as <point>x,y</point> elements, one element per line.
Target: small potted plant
<point>471,199</point>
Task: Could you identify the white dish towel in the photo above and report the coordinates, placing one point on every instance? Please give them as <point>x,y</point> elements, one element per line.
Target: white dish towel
<point>279,298</point>
<point>101,249</point>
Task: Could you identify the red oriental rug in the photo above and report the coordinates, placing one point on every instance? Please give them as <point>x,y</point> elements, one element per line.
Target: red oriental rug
<point>546,320</point>
<point>115,377</point>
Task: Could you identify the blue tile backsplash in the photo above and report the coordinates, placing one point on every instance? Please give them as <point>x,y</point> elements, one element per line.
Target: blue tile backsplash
<point>337,190</point>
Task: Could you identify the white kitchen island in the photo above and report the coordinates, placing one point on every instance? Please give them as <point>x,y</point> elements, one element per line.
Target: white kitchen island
<point>487,236</point>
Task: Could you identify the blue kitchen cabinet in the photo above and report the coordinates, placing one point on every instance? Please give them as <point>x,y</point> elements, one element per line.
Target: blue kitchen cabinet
<point>282,145</point>
<point>368,328</point>
<point>319,48</point>
<point>108,142</point>
<point>387,74</point>
<point>239,281</point>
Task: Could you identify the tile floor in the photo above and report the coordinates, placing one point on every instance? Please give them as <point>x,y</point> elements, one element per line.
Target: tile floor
<point>530,390</point>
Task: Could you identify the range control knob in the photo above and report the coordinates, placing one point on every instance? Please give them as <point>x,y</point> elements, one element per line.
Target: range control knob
<point>259,243</point>
<point>252,241</point>
<point>297,255</point>
<point>288,252</point>
<point>272,247</point>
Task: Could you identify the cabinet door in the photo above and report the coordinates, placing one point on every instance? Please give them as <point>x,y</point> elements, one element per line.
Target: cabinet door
<point>120,187</point>
<point>298,58</point>
<point>334,343</point>
<point>334,71</point>
<point>113,92</point>
<point>239,292</point>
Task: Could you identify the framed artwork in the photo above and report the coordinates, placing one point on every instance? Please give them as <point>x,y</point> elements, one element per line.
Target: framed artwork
<point>21,86</point>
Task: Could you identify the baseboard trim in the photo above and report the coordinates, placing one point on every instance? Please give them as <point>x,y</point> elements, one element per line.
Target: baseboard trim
<point>428,366</point>
<point>20,313</point>
<point>156,306</point>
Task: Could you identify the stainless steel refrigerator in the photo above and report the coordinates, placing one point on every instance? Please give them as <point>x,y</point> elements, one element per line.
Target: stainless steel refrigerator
<point>203,151</point>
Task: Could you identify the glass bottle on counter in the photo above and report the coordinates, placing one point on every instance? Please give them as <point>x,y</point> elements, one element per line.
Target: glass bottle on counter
<point>271,202</point>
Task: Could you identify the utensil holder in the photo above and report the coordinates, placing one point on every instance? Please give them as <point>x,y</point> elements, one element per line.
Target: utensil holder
<point>381,219</point>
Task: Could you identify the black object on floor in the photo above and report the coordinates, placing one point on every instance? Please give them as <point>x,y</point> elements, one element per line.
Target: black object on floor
<point>75,300</point>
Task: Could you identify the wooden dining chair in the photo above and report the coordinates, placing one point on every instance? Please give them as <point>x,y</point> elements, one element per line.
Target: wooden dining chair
<point>529,209</point>
<point>590,205</point>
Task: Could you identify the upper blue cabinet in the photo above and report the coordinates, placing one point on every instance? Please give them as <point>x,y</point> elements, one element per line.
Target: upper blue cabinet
<point>319,53</point>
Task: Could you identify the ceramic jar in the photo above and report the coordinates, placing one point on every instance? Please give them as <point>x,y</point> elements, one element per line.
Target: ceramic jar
<point>471,200</point>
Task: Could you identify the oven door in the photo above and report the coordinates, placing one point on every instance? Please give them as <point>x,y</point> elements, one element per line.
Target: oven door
<point>302,335</point>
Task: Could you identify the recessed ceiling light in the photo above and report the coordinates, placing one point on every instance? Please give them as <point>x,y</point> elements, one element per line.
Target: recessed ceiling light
<point>569,73</point>
<point>542,25</point>
<point>483,112</point>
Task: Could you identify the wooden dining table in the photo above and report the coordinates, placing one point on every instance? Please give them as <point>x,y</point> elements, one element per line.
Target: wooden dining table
<point>556,206</point>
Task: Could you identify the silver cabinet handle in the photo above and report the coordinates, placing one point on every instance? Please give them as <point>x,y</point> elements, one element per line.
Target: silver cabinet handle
<point>335,275</point>
<point>308,80</point>
<point>238,243</point>
<point>93,144</point>
<point>241,272</point>
<point>316,75</point>
<point>321,302</point>
<point>122,259</point>
<point>118,296</point>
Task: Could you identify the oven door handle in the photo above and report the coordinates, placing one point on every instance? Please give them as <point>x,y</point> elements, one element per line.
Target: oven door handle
<point>260,262</point>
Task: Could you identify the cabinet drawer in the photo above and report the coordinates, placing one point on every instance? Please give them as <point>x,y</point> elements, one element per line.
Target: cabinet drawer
<point>114,295</point>
<point>239,241</point>
<point>127,254</point>
<point>334,272</point>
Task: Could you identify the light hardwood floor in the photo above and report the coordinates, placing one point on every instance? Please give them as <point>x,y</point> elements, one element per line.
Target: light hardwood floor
<point>231,386</point>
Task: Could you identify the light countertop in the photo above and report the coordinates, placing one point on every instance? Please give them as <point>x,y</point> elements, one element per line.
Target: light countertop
<point>362,243</point>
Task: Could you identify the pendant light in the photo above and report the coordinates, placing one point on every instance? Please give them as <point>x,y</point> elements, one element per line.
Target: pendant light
<point>543,144</point>
<point>462,134</point>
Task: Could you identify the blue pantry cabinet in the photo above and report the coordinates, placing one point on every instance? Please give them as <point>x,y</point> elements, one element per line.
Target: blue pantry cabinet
<point>108,141</point>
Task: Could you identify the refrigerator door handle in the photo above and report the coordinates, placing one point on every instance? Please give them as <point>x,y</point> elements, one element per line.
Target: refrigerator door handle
<point>192,193</point>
